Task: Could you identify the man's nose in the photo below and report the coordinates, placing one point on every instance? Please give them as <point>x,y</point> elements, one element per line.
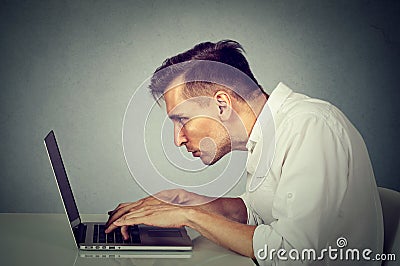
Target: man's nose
<point>179,136</point>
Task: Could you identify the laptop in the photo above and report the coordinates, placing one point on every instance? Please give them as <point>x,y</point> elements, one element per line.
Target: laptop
<point>91,236</point>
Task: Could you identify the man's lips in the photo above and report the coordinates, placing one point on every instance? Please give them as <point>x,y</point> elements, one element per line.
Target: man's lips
<point>196,153</point>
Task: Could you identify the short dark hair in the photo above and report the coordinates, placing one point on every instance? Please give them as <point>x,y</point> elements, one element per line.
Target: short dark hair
<point>227,52</point>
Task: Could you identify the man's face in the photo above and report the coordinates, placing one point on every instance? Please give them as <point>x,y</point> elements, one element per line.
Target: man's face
<point>197,126</point>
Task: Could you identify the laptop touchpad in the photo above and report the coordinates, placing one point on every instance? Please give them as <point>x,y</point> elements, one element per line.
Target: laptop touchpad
<point>164,233</point>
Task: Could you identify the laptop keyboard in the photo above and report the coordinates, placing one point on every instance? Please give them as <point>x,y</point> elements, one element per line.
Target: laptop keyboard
<point>99,236</point>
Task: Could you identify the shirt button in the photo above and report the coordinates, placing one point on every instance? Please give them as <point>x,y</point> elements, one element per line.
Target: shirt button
<point>290,195</point>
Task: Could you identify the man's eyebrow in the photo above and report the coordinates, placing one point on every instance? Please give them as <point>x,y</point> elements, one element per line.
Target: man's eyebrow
<point>175,116</point>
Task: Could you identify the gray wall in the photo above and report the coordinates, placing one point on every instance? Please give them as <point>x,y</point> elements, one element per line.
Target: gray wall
<point>72,66</point>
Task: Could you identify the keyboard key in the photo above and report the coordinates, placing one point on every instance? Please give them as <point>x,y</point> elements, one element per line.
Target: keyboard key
<point>99,235</point>
<point>110,237</point>
<point>95,233</point>
<point>118,236</point>
<point>102,239</point>
<point>135,236</point>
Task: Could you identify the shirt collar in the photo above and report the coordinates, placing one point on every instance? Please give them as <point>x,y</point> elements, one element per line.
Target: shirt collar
<point>254,137</point>
<point>278,97</point>
<point>274,102</point>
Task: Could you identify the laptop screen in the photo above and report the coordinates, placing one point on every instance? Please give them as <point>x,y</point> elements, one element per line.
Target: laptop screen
<point>61,176</point>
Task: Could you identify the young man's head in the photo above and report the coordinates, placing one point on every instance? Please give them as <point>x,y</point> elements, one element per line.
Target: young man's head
<point>208,91</point>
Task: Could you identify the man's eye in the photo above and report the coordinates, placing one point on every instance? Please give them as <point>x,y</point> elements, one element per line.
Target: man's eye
<point>182,120</point>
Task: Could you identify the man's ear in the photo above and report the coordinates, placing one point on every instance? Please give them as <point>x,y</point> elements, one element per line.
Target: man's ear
<point>224,103</point>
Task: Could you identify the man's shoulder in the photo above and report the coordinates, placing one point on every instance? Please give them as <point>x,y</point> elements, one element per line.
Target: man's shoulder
<point>298,110</point>
<point>301,105</point>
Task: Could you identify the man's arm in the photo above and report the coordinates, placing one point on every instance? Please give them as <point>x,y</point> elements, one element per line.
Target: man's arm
<point>209,220</point>
<point>225,232</point>
<point>231,208</point>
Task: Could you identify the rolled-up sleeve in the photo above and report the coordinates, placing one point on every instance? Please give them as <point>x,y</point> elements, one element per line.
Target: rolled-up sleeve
<point>252,217</point>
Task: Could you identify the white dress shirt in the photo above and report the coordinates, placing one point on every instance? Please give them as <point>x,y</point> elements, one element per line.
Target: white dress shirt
<point>320,186</point>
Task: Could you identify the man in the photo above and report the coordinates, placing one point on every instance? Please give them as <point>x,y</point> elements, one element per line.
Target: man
<point>318,188</point>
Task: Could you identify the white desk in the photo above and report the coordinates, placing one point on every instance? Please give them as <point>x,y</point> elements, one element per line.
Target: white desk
<point>45,239</point>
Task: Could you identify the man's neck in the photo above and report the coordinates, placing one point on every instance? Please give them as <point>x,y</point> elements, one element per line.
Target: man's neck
<point>248,115</point>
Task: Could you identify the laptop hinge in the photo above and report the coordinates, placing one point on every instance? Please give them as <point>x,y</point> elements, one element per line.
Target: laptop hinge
<point>80,233</point>
<point>75,222</point>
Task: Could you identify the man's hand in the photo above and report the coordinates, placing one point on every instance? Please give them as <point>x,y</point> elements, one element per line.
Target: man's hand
<point>152,211</point>
<point>221,220</point>
<point>182,197</point>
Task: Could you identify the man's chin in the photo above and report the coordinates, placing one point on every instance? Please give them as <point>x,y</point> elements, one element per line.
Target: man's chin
<point>208,160</point>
